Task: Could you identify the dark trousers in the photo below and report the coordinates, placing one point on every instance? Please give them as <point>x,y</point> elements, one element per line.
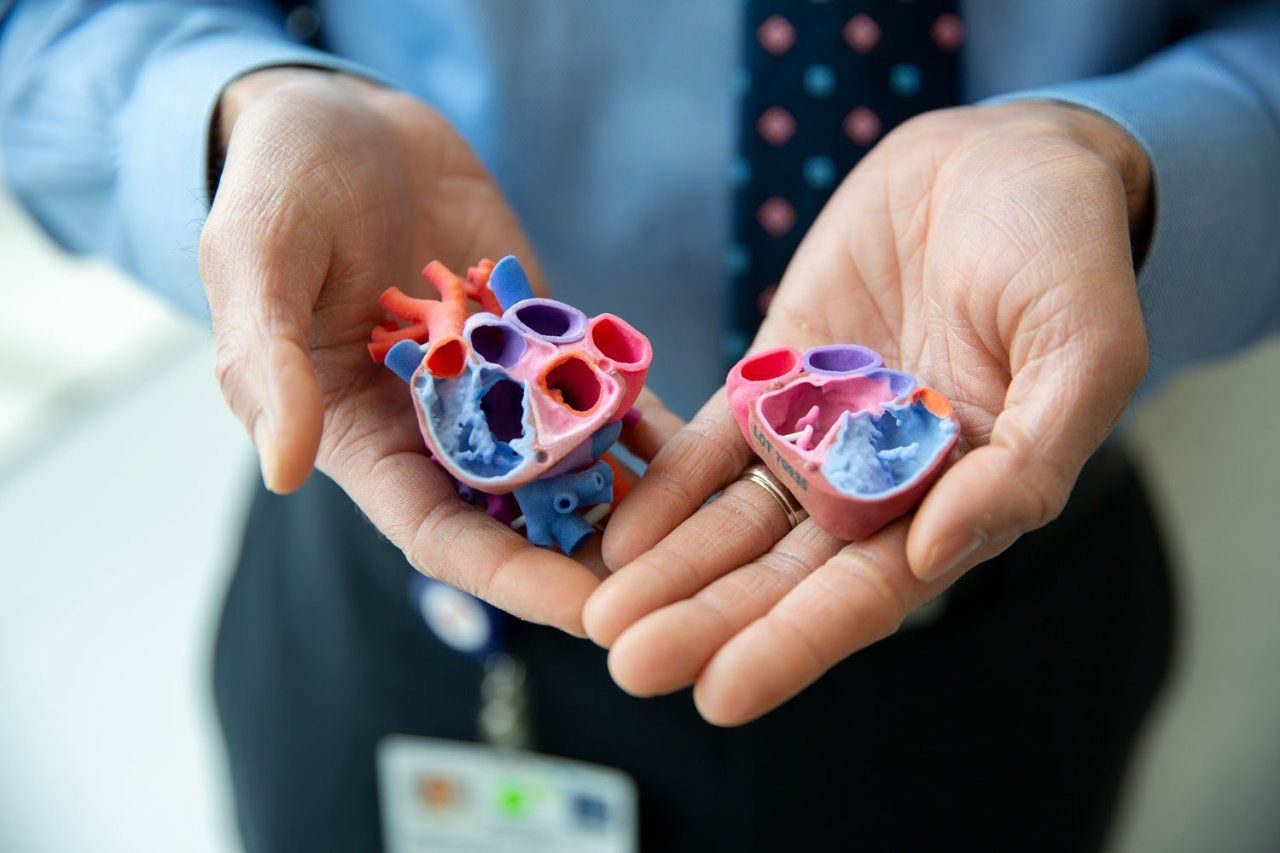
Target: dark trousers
<point>1006,724</point>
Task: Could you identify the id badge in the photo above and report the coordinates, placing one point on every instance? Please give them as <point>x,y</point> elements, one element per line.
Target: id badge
<point>440,796</point>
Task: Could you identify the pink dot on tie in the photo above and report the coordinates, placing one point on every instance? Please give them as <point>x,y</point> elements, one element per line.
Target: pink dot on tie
<point>776,126</point>
<point>776,35</point>
<point>861,33</point>
<point>776,216</point>
<point>948,32</point>
<point>765,297</point>
<point>862,126</point>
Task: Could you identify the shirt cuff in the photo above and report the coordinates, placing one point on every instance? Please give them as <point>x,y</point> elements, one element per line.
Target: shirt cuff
<point>1207,283</point>
<point>164,149</point>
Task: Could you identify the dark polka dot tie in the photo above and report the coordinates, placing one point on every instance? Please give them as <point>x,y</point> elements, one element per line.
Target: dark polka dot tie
<point>821,82</point>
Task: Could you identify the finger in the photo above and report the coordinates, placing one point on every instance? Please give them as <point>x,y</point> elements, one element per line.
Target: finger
<point>413,502</point>
<point>742,523</point>
<point>656,426</point>
<point>262,273</point>
<point>664,651</point>
<point>695,463</point>
<point>266,375</point>
<point>1068,392</point>
<point>588,555</point>
<point>857,597</point>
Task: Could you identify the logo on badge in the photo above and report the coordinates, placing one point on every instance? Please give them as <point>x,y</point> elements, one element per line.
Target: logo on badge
<point>439,793</point>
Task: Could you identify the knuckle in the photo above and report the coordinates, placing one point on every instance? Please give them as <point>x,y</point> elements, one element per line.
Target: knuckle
<point>430,537</point>
<point>1052,500</point>
<point>743,514</point>
<point>225,367</point>
<point>1041,501</point>
<point>229,365</point>
<point>1042,486</point>
<point>785,566</point>
<point>867,571</point>
<point>750,587</point>
<point>673,564</point>
<point>664,480</point>
<point>350,443</point>
<point>790,627</point>
<point>697,438</point>
<point>700,449</point>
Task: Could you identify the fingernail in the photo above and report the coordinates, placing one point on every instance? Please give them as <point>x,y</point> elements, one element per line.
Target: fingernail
<point>948,554</point>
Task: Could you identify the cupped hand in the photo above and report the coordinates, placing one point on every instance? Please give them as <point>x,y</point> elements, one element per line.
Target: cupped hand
<point>986,250</point>
<point>333,190</point>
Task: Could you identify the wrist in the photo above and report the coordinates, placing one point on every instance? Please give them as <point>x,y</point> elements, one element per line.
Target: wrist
<point>242,93</point>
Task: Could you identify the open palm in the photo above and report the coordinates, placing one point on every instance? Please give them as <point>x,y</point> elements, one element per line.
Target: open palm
<point>334,190</point>
<point>985,250</point>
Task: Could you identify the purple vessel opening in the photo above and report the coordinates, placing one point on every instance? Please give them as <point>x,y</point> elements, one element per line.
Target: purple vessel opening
<point>841,360</point>
<point>552,321</point>
<point>497,342</point>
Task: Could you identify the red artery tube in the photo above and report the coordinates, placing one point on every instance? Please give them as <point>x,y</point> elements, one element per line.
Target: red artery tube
<point>616,342</point>
<point>436,323</point>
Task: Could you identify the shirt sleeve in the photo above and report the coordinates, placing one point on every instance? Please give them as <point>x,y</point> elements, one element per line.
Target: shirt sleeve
<point>104,122</point>
<point>1207,112</point>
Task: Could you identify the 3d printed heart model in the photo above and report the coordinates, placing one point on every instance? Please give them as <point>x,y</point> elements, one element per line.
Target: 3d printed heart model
<point>856,443</point>
<point>520,401</point>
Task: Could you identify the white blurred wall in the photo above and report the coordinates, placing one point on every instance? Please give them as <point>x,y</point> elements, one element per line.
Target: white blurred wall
<point>1209,777</point>
<point>122,483</point>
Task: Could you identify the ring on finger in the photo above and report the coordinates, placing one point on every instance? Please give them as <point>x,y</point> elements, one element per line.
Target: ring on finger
<point>765,479</point>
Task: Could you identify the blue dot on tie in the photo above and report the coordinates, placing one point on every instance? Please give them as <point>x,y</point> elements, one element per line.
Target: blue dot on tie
<point>734,345</point>
<point>819,172</point>
<point>737,260</point>
<point>819,80</point>
<point>904,79</point>
<point>740,172</point>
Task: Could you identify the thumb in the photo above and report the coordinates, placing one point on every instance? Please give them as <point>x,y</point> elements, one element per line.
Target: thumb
<point>1064,398</point>
<point>261,304</point>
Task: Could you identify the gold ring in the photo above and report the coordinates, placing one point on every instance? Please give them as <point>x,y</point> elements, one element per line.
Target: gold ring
<point>765,479</point>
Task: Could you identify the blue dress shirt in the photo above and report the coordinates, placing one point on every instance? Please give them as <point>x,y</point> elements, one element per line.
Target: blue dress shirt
<point>611,127</point>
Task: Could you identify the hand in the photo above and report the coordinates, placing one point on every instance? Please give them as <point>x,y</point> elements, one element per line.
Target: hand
<point>333,190</point>
<point>986,250</point>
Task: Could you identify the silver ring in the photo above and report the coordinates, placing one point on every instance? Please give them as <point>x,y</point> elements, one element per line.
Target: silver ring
<point>765,479</point>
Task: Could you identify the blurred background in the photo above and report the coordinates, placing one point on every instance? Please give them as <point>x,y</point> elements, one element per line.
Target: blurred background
<point>123,480</point>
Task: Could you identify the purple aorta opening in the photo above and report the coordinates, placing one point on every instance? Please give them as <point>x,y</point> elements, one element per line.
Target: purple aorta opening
<point>552,321</point>
<point>841,360</point>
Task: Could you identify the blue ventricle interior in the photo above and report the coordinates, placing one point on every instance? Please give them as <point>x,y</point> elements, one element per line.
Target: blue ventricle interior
<point>480,420</point>
<point>873,454</point>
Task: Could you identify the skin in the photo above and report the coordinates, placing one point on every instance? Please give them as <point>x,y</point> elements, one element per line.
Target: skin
<point>333,190</point>
<point>986,250</point>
